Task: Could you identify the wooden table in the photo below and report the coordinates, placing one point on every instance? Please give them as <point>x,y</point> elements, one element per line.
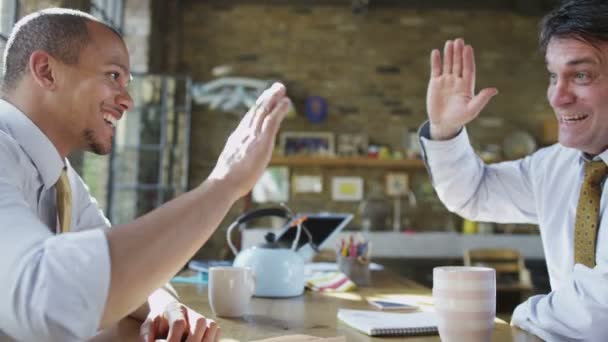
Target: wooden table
<point>311,314</point>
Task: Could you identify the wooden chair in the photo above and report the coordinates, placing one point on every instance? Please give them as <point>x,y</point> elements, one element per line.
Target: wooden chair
<point>512,276</point>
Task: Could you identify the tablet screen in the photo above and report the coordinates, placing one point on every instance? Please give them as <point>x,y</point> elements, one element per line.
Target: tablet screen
<point>320,226</point>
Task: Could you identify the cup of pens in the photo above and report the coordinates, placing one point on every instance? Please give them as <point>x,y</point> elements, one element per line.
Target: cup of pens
<point>353,255</point>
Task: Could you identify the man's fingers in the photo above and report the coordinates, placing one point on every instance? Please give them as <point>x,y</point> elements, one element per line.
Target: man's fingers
<point>479,101</point>
<point>276,86</point>
<point>273,121</point>
<point>259,106</point>
<point>435,63</point>
<point>247,120</point>
<point>178,325</point>
<point>218,334</point>
<point>468,67</point>
<point>198,327</point>
<point>457,60</point>
<point>468,63</point>
<point>264,101</point>
<point>448,52</point>
<point>146,331</point>
<point>212,333</point>
<point>275,94</point>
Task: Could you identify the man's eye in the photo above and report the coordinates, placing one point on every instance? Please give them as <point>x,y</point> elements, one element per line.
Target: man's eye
<point>114,75</point>
<point>582,76</point>
<point>552,78</point>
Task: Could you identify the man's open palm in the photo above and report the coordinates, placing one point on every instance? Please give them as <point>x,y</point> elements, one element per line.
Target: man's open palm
<point>451,102</point>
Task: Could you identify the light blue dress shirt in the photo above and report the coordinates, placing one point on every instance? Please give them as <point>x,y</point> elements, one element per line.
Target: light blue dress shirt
<point>53,287</point>
<point>542,189</point>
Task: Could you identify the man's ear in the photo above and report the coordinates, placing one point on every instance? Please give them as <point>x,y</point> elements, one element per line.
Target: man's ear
<point>41,67</point>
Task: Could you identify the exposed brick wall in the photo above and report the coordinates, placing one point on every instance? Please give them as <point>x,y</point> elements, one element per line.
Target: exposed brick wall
<point>372,69</point>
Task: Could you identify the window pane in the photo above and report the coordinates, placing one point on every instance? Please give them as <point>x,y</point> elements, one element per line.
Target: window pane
<point>7,16</point>
<point>108,11</point>
<point>2,45</point>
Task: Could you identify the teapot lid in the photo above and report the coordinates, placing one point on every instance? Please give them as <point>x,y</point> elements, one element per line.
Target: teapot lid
<point>271,242</point>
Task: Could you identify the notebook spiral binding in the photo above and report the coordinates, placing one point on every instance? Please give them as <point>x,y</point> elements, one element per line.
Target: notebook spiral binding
<point>404,331</point>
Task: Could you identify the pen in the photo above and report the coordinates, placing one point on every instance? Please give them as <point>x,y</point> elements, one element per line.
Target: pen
<point>363,248</point>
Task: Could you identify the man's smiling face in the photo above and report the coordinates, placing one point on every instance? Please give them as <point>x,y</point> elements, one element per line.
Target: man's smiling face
<point>578,92</point>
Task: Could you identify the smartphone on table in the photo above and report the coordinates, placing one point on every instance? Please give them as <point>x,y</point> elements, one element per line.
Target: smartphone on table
<point>384,304</point>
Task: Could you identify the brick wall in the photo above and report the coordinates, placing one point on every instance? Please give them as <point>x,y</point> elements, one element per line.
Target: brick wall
<point>372,69</point>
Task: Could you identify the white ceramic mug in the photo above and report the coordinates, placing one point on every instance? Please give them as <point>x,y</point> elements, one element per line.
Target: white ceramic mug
<point>465,302</point>
<point>230,290</point>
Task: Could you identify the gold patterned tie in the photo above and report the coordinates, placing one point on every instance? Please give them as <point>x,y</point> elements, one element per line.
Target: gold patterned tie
<point>64,201</point>
<point>587,213</point>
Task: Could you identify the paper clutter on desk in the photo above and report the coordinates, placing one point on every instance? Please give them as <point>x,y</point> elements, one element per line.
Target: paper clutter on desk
<point>330,282</point>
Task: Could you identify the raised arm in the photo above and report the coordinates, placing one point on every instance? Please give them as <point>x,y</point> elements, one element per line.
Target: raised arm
<point>451,101</point>
<point>499,192</point>
<point>182,225</point>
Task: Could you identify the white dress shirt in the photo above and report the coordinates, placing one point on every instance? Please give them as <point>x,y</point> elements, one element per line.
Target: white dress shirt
<point>53,287</point>
<point>542,189</point>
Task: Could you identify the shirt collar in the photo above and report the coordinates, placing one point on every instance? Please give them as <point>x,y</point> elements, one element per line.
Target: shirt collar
<point>34,142</point>
<point>603,156</point>
<point>584,157</point>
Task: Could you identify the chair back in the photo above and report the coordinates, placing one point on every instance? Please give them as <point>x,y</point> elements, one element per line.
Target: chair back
<point>508,263</point>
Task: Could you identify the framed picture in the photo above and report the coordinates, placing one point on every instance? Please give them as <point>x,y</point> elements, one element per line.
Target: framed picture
<point>311,184</point>
<point>352,144</point>
<point>307,143</point>
<point>347,188</point>
<point>397,183</point>
<point>273,185</point>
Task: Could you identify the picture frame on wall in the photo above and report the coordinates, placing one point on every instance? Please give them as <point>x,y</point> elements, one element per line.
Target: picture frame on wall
<point>397,183</point>
<point>349,189</point>
<point>318,144</point>
<point>352,144</point>
<point>307,184</point>
<point>273,186</point>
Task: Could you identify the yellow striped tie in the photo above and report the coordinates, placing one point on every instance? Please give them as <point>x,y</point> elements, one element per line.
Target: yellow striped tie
<point>587,213</point>
<point>64,201</point>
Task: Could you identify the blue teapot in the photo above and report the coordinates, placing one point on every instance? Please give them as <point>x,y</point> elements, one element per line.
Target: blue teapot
<point>278,269</point>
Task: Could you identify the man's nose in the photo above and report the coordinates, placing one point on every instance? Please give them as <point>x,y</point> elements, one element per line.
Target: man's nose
<point>124,100</point>
<point>561,94</point>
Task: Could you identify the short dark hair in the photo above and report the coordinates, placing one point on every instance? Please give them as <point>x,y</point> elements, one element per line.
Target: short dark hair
<point>586,20</point>
<point>59,31</point>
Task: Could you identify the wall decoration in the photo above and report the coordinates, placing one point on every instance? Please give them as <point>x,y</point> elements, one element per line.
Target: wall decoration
<point>316,109</point>
<point>307,143</point>
<point>397,183</point>
<point>273,185</point>
<point>307,184</point>
<point>229,94</point>
<point>352,144</point>
<point>347,188</point>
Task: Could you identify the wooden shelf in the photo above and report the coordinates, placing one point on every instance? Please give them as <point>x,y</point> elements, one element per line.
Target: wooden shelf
<point>347,162</point>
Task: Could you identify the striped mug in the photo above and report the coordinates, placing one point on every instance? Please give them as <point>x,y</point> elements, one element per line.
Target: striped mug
<point>465,301</point>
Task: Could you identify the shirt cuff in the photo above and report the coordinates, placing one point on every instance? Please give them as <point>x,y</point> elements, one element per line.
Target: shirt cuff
<point>520,316</point>
<point>442,153</point>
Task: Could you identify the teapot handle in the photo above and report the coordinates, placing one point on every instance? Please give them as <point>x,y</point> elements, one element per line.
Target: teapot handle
<point>277,211</point>
<point>229,237</point>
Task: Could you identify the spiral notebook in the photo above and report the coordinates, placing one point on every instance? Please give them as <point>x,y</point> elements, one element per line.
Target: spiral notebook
<point>380,323</point>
